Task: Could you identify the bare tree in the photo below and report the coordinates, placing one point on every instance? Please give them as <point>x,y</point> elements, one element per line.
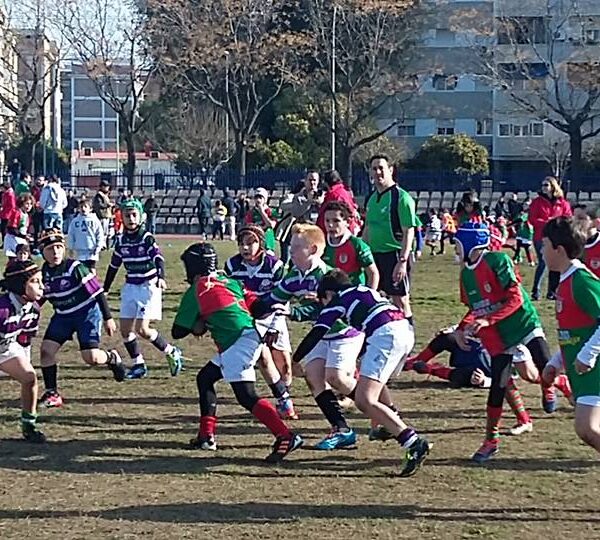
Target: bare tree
<point>236,54</point>
<point>109,40</point>
<point>546,66</point>
<point>31,61</point>
<point>370,46</point>
<point>556,152</point>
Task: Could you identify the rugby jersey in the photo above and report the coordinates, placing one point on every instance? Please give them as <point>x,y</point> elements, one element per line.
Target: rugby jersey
<point>18,321</point>
<point>352,255</point>
<point>139,253</point>
<point>70,287</point>
<point>591,254</point>
<point>261,278</point>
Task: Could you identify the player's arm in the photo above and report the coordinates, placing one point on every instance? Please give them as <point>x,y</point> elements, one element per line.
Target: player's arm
<point>111,272</point>
<point>156,255</point>
<point>326,320</point>
<point>367,262</point>
<point>187,315</point>
<point>586,290</point>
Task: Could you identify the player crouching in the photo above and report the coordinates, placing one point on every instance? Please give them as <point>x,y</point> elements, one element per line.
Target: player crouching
<point>217,303</point>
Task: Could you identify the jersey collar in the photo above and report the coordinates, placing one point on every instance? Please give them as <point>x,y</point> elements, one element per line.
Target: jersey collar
<point>344,239</point>
<point>593,241</point>
<point>474,265</point>
<point>382,193</point>
<point>576,264</point>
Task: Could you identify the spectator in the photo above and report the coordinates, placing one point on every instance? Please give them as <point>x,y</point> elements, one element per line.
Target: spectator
<point>203,211</point>
<point>549,203</point>
<point>243,207</point>
<point>500,209</point>
<point>37,215</point>
<point>151,208</point>
<point>15,170</point>
<point>232,209</point>
<point>468,209</point>
<point>307,200</point>
<point>53,201</point>
<point>23,185</point>
<point>336,191</point>
<point>261,215</point>
<point>283,229</point>
<point>9,205</point>
<point>514,207</point>
<point>103,207</point>
<point>85,235</point>
<point>70,210</point>
<point>219,213</point>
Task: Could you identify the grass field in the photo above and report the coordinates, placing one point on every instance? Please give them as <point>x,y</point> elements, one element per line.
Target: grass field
<point>117,466</point>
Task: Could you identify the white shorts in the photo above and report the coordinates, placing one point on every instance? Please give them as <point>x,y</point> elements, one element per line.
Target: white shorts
<point>237,363</point>
<point>15,350</point>
<point>339,353</point>
<point>276,323</point>
<point>387,350</point>
<point>142,302</point>
<point>589,401</point>
<point>524,241</point>
<point>10,244</point>
<point>433,237</point>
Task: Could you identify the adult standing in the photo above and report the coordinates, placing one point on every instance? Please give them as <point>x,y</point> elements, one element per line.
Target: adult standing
<point>9,205</point>
<point>203,211</point>
<point>262,216</point>
<point>243,206</point>
<point>69,210</point>
<point>15,170</point>
<point>37,215</point>
<point>514,207</point>
<point>103,207</point>
<point>23,185</point>
<point>549,203</point>
<point>500,209</point>
<point>337,191</point>
<point>151,208</point>
<point>389,230</point>
<point>53,201</point>
<point>231,206</point>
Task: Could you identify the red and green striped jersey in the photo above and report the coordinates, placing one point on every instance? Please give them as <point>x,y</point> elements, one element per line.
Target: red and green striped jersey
<point>489,288</point>
<point>578,316</point>
<point>591,254</point>
<point>220,302</point>
<point>352,255</point>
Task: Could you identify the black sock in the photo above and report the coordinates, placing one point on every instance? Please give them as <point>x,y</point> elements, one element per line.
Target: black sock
<point>279,390</point>
<point>330,407</point>
<point>133,348</point>
<point>50,375</point>
<point>160,342</point>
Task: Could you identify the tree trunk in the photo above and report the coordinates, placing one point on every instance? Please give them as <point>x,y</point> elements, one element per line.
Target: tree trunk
<point>575,143</point>
<point>130,167</point>
<point>240,159</point>
<point>345,163</point>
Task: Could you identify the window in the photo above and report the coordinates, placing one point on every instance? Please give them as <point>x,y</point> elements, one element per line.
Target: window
<point>522,30</point>
<point>484,127</point>
<point>537,129</point>
<point>406,129</point>
<point>445,82</point>
<point>532,129</point>
<point>503,130</point>
<point>445,127</point>
<point>520,130</point>
<point>592,36</point>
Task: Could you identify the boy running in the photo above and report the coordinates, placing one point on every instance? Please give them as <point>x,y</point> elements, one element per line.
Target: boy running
<point>578,317</point>
<point>86,236</point>
<point>217,303</point>
<point>141,296</point>
<point>389,339</point>
<point>19,319</point>
<point>80,306</point>
<point>261,272</point>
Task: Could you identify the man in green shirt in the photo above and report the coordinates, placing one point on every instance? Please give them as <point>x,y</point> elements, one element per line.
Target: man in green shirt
<point>24,185</point>
<point>390,230</point>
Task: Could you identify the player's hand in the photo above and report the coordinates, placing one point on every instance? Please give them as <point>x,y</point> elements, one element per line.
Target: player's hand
<point>400,271</point>
<point>581,368</point>
<point>461,340</point>
<point>161,284</point>
<point>477,377</point>
<point>549,374</point>
<point>297,369</point>
<point>281,309</point>
<point>477,325</point>
<point>111,327</point>
<point>311,296</point>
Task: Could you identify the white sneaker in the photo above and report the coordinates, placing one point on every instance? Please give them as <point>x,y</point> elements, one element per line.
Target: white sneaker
<point>519,429</point>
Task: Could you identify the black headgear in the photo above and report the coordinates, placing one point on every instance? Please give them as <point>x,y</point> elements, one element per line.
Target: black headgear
<point>199,260</point>
<point>50,237</point>
<point>16,275</point>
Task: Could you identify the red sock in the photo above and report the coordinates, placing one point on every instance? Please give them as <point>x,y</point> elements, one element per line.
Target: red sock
<point>562,383</point>
<point>265,413</point>
<point>515,401</point>
<point>438,370</point>
<point>425,355</point>
<point>492,429</point>
<point>208,425</point>
<point>529,257</point>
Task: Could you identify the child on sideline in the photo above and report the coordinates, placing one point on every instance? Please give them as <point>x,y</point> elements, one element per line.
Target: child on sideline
<point>219,213</point>
<point>141,296</point>
<point>587,222</point>
<point>17,225</point>
<point>86,236</point>
<point>80,306</point>
<point>262,216</point>
<point>332,363</point>
<point>260,273</point>
<point>502,316</point>
<point>346,251</point>
<point>524,236</point>
<point>578,317</point>
<point>434,231</point>
<point>19,319</point>
<point>389,339</point>
<point>217,303</point>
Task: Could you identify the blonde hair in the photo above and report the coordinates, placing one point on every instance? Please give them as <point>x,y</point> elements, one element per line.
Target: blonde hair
<point>557,191</point>
<point>312,234</point>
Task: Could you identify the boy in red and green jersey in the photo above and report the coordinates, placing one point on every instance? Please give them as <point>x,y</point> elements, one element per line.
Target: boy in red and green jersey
<point>586,220</point>
<point>218,304</point>
<point>345,251</point>
<point>578,317</point>
<point>502,316</point>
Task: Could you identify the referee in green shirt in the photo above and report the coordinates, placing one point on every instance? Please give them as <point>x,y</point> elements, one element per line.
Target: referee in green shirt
<point>390,230</point>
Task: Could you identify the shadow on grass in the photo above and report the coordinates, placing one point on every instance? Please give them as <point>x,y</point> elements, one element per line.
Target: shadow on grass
<point>265,512</point>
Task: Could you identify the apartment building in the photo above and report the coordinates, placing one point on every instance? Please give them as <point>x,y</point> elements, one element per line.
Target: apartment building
<point>8,85</point>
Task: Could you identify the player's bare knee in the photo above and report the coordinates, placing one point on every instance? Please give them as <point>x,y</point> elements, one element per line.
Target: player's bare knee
<point>89,357</point>
<point>29,379</point>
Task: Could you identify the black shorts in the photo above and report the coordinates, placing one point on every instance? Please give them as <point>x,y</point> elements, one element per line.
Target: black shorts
<point>385,263</point>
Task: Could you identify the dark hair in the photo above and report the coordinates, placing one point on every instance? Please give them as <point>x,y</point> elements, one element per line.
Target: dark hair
<point>24,198</point>
<point>332,177</point>
<point>380,156</point>
<point>469,197</point>
<point>335,280</point>
<point>298,187</point>
<point>561,231</point>
<point>338,206</point>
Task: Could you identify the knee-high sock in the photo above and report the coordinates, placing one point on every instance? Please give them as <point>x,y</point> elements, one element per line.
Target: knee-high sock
<point>160,342</point>
<point>266,414</point>
<point>50,375</point>
<point>132,345</point>
<point>331,409</point>
<point>515,401</point>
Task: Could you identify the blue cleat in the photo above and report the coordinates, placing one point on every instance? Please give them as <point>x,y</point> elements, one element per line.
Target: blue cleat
<point>284,446</point>
<point>486,451</point>
<point>337,439</point>
<point>549,399</point>
<point>138,371</point>
<point>175,359</point>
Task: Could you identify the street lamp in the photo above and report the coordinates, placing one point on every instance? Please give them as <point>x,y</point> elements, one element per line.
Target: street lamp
<point>227,98</point>
<point>333,64</point>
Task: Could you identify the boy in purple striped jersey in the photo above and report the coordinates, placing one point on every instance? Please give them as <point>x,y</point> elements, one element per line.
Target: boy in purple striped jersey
<point>19,319</point>
<point>389,340</point>
<point>80,306</point>
<point>141,296</point>
<point>261,272</point>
